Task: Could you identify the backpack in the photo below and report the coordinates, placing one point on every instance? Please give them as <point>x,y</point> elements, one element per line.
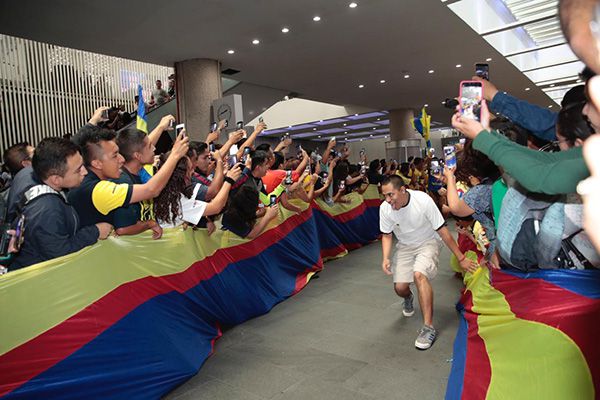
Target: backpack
<point>535,232</point>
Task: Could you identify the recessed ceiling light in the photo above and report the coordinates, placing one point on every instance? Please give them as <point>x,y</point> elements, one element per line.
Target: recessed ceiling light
<point>256,41</point>
<point>382,81</point>
<point>431,71</point>
<point>527,89</point>
<point>356,115</point>
<point>285,30</point>
<point>230,51</point>
<point>316,18</point>
<point>361,86</point>
<point>320,120</point>
<point>458,65</point>
<point>319,136</point>
<point>406,76</point>
<point>290,127</point>
<point>578,81</point>
<point>370,135</point>
<point>552,85</point>
<point>488,59</point>
<point>346,132</point>
<point>378,119</point>
<point>426,105</point>
<point>345,124</point>
<point>374,128</point>
<point>352,5</point>
<point>361,140</point>
<point>314,129</point>
<point>550,106</point>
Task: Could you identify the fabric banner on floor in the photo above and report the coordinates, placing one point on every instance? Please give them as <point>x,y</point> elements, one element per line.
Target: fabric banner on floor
<point>133,318</point>
<point>528,336</point>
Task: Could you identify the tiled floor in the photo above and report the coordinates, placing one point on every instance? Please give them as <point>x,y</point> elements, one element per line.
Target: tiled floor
<point>342,337</point>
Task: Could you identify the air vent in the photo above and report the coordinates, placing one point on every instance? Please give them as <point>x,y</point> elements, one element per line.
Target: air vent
<point>230,71</point>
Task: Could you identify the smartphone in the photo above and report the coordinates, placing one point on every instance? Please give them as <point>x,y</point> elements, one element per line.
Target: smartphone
<point>435,167</point>
<point>232,160</point>
<point>245,155</point>
<point>171,125</point>
<point>363,170</point>
<point>471,94</point>
<point>211,147</point>
<point>104,115</point>
<point>342,185</point>
<point>482,71</point>
<point>179,128</point>
<point>261,120</point>
<point>450,156</point>
<point>213,127</point>
<point>19,232</point>
<point>272,200</point>
<point>239,125</point>
<point>288,178</point>
<point>362,152</point>
<point>226,124</point>
<point>332,139</point>
<point>462,140</point>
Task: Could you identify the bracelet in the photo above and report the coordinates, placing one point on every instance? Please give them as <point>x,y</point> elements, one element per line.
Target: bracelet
<point>229,180</point>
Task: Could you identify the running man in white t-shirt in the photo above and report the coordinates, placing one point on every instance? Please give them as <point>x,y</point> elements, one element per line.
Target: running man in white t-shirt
<point>418,225</point>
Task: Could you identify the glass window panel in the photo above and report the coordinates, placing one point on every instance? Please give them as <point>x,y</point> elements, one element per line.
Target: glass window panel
<point>543,58</point>
<point>554,73</point>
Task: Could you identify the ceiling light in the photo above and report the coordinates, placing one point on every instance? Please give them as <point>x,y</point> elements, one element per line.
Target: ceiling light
<point>285,30</point>
<point>314,129</point>
<point>320,120</point>
<point>552,85</point>
<point>316,18</point>
<point>406,76</point>
<point>458,65</point>
<point>527,89</point>
<point>290,127</point>
<point>370,135</point>
<point>360,140</point>
<point>361,86</point>
<point>319,136</point>
<point>426,105</point>
<point>230,51</point>
<point>488,59</point>
<point>352,5</point>
<point>345,124</point>
<point>356,115</point>
<point>382,81</point>
<point>578,81</point>
<point>431,71</point>
<point>346,132</point>
<point>378,119</point>
<point>550,106</point>
<point>256,41</point>
<point>374,128</point>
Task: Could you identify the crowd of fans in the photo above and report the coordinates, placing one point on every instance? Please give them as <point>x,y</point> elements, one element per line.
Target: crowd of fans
<point>513,193</point>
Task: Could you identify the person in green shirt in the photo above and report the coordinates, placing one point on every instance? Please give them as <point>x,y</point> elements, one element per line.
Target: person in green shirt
<point>540,172</point>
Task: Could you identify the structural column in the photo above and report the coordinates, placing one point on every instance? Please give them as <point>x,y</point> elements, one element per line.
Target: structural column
<point>198,85</point>
<point>401,125</point>
<point>405,141</point>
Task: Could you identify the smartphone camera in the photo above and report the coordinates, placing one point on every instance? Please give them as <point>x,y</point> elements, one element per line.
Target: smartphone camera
<point>179,128</point>
<point>288,178</point>
<point>471,94</point>
<point>450,156</point>
<point>483,71</point>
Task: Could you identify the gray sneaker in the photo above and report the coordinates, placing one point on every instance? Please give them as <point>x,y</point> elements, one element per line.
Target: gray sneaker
<point>408,309</point>
<point>426,337</point>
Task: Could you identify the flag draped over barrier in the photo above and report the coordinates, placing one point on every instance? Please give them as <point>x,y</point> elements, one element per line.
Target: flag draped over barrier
<point>141,121</point>
<point>138,317</point>
<point>528,336</point>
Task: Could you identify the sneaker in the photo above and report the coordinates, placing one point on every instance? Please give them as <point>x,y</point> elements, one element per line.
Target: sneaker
<point>426,337</point>
<point>408,309</point>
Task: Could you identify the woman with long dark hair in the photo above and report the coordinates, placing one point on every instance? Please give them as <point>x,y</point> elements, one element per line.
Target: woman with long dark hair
<point>177,203</point>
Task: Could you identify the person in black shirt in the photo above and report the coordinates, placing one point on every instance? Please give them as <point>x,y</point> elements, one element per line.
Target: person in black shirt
<point>53,228</point>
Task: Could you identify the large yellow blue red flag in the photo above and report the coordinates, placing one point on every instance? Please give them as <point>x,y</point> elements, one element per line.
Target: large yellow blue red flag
<point>141,122</point>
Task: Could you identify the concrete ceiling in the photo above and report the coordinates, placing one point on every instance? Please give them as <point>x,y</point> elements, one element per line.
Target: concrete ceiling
<point>323,61</point>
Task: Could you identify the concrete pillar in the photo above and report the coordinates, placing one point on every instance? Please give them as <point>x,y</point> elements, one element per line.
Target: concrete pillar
<point>198,85</point>
<point>401,125</point>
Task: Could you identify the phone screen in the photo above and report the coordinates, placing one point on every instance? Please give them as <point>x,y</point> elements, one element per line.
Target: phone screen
<point>213,127</point>
<point>272,200</point>
<point>261,120</point>
<point>232,160</point>
<point>483,71</point>
<point>179,128</point>
<point>211,147</point>
<point>435,167</point>
<point>19,231</point>
<point>239,125</point>
<point>471,94</point>
<point>450,156</point>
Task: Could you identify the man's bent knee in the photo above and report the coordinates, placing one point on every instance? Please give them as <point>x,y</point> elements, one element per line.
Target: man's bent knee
<point>402,289</point>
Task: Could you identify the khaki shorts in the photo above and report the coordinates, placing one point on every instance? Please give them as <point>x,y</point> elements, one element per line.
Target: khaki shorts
<point>422,258</point>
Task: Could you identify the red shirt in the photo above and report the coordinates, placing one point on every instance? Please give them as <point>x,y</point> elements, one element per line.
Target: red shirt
<point>274,177</point>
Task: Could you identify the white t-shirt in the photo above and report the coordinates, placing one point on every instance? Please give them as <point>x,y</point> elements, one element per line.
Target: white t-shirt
<point>414,224</point>
<point>190,210</point>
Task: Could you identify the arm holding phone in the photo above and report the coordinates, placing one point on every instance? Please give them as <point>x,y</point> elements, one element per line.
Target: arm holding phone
<point>233,139</point>
<point>164,124</point>
<point>302,166</point>
<point>217,181</point>
<point>248,143</point>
